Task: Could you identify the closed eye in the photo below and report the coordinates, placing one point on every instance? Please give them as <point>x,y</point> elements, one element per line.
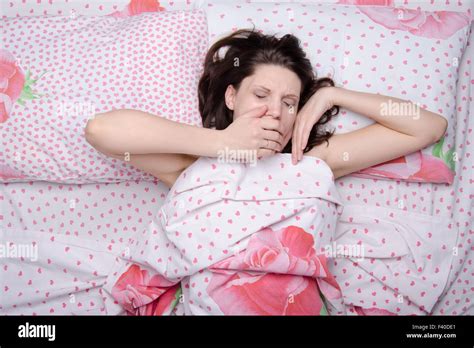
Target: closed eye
<point>261,97</point>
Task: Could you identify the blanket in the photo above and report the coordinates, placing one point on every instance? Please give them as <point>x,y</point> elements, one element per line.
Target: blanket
<point>403,257</point>
<point>232,238</point>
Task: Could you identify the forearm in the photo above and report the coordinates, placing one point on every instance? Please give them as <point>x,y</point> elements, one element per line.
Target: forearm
<point>137,132</point>
<point>397,114</point>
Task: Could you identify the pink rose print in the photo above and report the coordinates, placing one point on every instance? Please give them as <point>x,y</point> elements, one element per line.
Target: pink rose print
<point>278,274</point>
<point>372,311</point>
<point>14,86</point>
<point>136,7</point>
<point>12,81</point>
<point>269,294</point>
<point>437,24</point>
<point>417,167</point>
<point>433,169</point>
<point>141,294</point>
<point>8,173</point>
<point>367,2</point>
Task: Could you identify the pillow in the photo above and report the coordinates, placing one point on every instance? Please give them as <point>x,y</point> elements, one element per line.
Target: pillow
<point>409,54</point>
<point>20,8</point>
<point>71,68</point>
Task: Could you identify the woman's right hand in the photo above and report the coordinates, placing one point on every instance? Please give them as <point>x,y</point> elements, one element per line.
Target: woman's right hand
<point>253,131</point>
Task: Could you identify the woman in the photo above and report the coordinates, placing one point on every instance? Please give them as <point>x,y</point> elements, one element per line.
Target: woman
<point>263,96</point>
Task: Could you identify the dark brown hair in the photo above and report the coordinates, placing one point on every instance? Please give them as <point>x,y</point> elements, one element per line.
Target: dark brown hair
<point>251,49</point>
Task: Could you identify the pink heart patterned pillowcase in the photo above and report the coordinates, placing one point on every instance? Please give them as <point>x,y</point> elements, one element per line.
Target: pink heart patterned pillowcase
<point>409,54</point>
<point>68,69</point>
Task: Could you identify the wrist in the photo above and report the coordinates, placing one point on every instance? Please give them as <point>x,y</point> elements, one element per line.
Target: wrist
<point>201,141</point>
<point>333,95</point>
<point>220,142</point>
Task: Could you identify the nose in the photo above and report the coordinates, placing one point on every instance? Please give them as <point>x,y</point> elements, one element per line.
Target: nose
<point>274,110</point>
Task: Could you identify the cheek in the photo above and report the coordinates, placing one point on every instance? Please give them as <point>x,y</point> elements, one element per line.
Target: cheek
<point>288,137</point>
<point>236,113</point>
<point>290,126</point>
<point>288,132</point>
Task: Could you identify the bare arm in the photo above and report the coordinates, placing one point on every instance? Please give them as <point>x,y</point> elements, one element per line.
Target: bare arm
<point>164,166</point>
<point>128,135</point>
<point>400,129</point>
<point>164,148</point>
<point>395,132</point>
<point>399,115</point>
<point>134,132</point>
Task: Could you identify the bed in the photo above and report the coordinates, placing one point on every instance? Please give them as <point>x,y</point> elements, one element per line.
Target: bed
<point>110,214</point>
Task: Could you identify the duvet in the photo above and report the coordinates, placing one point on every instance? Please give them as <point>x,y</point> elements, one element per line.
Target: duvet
<point>232,238</point>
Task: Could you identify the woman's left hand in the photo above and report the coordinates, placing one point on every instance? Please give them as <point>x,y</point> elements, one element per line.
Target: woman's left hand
<point>307,117</point>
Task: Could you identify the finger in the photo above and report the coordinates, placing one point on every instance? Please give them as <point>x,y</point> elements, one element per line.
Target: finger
<point>262,153</point>
<point>305,137</point>
<point>306,133</point>
<point>293,148</point>
<point>270,124</point>
<point>274,136</point>
<point>294,156</point>
<point>294,139</point>
<point>297,138</point>
<point>300,133</point>
<point>270,145</point>
<point>257,112</point>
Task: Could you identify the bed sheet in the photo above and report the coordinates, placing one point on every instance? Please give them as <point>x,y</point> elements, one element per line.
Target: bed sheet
<point>106,216</point>
<point>111,214</point>
<point>453,202</point>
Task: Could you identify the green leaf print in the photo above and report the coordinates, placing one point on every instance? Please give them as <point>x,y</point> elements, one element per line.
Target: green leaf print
<point>176,298</point>
<point>27,92</point>
<point>438,148</point>
<point>323,310</point>
<point>446,157</point>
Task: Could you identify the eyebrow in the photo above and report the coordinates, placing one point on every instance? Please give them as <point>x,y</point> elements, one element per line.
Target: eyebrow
<point>268,90</point>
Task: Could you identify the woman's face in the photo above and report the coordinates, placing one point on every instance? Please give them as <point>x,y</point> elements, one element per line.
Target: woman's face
<point>274,86</point>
